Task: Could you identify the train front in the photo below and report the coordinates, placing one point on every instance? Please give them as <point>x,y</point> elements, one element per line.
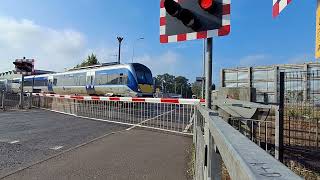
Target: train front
<point>144,80</point>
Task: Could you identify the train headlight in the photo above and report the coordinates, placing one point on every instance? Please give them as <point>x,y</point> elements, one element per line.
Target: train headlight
<point>139,89</point>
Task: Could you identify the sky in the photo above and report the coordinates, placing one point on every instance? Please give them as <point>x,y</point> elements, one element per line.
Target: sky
<point>59,34</point>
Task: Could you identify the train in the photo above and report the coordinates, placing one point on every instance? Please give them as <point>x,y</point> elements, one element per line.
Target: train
<point>132,80</point>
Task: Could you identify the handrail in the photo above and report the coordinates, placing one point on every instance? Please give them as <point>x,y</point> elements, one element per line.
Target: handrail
<point>242,158</point>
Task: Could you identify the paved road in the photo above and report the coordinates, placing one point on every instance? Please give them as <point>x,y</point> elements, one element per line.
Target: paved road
<point>26,137</point>
<point>127,155</point>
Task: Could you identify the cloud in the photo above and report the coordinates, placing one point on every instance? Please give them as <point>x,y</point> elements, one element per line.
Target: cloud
<point>104,53</point>
<point>164,63</point>
<point>52,49</point>
<point>300,59</point>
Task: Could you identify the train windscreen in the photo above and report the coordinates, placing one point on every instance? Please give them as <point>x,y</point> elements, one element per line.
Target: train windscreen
<point>144,75</point>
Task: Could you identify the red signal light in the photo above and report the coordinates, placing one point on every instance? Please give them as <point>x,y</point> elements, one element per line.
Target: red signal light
<point>206,4</point>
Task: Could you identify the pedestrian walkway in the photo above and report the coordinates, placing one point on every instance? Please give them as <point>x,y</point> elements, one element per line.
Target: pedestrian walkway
<point>136,154</point>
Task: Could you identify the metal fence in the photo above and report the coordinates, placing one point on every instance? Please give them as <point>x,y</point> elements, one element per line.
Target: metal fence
<point>258,122</point>
<point>218,143</point>
<point>301,118</point>
<point>163,114</point>
<point>261,132</point>
<point>11,101</point>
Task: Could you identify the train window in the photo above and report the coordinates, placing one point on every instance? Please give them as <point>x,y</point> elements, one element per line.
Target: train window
<point>16,81</point>
<point>101,79</point>
<point>112,78</point>
<point>82,79</point>
<point>77,79</point>
<point>144,75</point>
<point>28,82</point>
<point>120,80</point>
<point>40,82</point>
<point>55,81</point>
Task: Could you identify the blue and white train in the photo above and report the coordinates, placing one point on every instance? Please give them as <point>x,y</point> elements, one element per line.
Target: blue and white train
<point>134,80</point>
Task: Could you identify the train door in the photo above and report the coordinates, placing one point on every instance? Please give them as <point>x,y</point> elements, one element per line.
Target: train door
<point>90,82</point>
<point>50,84</point>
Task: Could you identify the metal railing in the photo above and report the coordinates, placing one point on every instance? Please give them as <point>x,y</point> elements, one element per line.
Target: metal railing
<point>258,131</point>
<point>11,101</point>
<point>258,122</point>
<point>301,120</point>
<point>302,110</point>
<point>162,114</point>
<point>218,142</point>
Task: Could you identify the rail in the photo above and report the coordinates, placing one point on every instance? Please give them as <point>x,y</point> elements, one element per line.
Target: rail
<point>216,141</point>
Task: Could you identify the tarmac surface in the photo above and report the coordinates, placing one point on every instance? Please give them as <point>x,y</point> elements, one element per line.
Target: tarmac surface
<point>40,144</point>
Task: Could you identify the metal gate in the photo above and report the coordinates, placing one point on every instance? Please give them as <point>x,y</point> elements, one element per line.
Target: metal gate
<point>11,101</point>
<point>174,115</point>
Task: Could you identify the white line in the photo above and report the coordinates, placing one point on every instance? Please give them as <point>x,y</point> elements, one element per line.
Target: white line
<point>56,148</point>
<point>149,119</point>
<point>13,142</point>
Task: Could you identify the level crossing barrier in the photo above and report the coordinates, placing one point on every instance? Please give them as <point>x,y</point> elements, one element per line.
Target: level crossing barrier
<point>175,115</point>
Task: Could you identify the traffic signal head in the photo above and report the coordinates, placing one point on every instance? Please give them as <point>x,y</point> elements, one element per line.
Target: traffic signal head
<point>182,20</point>
<point>24,66</point>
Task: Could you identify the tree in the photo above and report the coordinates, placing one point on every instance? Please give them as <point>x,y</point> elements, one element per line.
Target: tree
<point>171,84</point>
<point>90,61</point>
<point>183,86</point>
<point>165,82</point>
<point>197,88</point>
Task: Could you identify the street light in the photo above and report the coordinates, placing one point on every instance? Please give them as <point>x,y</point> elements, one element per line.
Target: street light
<point>120,39</point>
<point>134,42</point>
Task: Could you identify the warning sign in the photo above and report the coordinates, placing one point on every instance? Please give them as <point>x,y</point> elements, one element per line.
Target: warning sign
<point>318,31</point>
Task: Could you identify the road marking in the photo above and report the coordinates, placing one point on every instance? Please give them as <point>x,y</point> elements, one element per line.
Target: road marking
<point>149,120</point>
<point>13,142</point>
<point>56,148</point>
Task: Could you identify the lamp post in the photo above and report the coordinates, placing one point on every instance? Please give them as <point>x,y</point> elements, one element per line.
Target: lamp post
<point>133,46</point>
<point>120,39</point>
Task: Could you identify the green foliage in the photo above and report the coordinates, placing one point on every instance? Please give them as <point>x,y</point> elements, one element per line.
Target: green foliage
<point>171,84</point>
<point>196,89</point>
<point>90,61</point>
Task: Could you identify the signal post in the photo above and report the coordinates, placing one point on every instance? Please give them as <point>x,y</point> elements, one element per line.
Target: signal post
<point>24,67</point>
<point>183,20</point>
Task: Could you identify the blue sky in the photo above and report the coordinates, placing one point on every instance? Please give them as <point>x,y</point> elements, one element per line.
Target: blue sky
<point>59,34</point>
